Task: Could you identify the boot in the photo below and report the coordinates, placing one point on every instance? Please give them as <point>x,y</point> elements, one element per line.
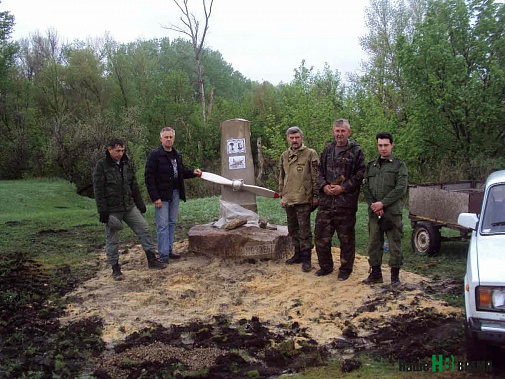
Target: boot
<point>153,262</point>
<point>306,260</point>
<point>395,276</point>
<point>297,258</point>
<point>117,275</point>
<point>375,276</point>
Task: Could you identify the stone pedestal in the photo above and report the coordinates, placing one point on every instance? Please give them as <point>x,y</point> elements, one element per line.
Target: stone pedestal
<point>237,161</point>
<point>241,243</point>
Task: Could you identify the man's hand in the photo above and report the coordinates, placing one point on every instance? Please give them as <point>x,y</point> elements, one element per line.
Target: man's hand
<point>333,189</point>
<point>377,208</point>
<point>142,208</point>
<point>104,217</point>
<point>158,203</point>
<point>281,203</point>
<point>197,172</point>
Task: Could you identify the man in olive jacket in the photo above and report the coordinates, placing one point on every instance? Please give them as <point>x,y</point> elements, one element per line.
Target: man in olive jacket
<point>384,185</point>
<point>117,194</point>
<point>299,194</point>
<point>340,174</point>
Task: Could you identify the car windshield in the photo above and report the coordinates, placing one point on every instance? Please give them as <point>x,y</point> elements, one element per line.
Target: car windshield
<point>493,221</point>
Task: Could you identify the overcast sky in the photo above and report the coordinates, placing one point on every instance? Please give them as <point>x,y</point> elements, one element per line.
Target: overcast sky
<point>263,39</point>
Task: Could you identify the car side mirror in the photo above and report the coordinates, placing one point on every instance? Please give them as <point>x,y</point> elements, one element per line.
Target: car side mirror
<point>468,220</point>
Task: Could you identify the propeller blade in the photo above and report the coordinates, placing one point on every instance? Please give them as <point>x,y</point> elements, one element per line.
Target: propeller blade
<point>215,178</point>
<point>260,191</point>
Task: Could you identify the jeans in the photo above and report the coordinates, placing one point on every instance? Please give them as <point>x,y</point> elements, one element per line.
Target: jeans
<point>138,224</point>
<point>166,218</point>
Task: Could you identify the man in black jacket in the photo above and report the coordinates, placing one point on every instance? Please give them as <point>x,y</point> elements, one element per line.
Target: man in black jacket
<point>164,177</point>
<point>117,194</point>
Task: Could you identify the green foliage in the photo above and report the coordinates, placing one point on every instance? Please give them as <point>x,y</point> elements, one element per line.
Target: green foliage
<point>434,78</point>
<point>455,67</point>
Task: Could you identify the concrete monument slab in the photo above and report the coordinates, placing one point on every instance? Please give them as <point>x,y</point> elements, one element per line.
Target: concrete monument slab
<point>237,161</point>
<point>243,242</point>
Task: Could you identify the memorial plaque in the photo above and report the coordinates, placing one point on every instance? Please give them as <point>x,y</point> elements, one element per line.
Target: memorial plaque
<point>237,161</point>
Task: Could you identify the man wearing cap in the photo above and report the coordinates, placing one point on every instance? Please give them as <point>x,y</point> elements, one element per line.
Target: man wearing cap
<point>299,194</point>
<point>118,198</point>
<point>340,174</point>
<point>164,178</point>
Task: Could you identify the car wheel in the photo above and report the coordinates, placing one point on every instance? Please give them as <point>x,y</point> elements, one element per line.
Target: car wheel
<point>425,238</point>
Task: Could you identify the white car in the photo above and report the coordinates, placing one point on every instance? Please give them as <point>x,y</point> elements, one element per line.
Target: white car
<point>485,271</point>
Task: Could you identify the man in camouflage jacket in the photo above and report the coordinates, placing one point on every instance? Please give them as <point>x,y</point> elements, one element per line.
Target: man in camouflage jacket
<point>117,194</point>
<point>299,194</point>
<point>341,171</point>
<point>384,186</point>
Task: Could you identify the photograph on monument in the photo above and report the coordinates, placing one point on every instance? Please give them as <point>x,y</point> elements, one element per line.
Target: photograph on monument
<point>235,146</point>
<point>237,162</point>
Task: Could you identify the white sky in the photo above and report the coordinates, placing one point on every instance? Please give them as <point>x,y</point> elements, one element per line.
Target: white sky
<point>263,39</point>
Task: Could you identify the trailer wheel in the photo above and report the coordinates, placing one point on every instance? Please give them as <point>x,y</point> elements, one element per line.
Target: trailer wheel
<point>425,238</point>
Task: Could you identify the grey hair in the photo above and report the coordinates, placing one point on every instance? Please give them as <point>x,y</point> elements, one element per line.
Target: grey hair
<point>293,130</point>
<point>342,121</point>
<point>167,129</point>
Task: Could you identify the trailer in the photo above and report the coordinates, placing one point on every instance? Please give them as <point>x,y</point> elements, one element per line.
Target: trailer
<point>436,206</point>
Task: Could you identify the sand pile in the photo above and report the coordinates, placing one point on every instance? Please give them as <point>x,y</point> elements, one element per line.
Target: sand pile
<point>195,288</point>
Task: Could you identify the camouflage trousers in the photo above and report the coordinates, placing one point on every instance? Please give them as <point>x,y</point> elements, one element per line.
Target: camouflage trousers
<point>327,222</point>
<point>376,241</point>
<point>299,229</point>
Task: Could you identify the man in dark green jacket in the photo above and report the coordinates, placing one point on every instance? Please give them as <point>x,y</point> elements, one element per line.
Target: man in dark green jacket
<point>339,179</point>
<point>384,185</point>
<point>118,196</point>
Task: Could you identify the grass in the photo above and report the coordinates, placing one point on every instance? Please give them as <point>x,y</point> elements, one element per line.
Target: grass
<point>46,220</point>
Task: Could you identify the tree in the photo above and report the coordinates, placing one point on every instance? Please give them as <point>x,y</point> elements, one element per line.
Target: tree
<point>455,68</point>
<point>192,29</point>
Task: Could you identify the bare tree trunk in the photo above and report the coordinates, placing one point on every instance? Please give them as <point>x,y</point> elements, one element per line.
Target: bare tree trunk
<point>191,28</point>
<point>261,161</point>
<point>211,101</point>
<point>200,151</point>
<point>200,87</point>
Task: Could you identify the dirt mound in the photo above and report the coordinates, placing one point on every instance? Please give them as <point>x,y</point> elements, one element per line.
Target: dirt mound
<point>33,341</point>
<point>214,350</point>
<point>213,307</point>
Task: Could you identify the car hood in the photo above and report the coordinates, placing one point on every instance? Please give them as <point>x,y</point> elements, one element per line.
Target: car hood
<point>491,259</point>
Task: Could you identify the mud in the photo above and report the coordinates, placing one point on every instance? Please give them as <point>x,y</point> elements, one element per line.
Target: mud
<point>214,350</point>
<point>257,318</point>
<point>32,339</point>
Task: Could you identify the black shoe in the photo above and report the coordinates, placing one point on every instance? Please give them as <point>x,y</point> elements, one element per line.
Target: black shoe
<point>306,260</point>
<point>375,276</point>
<point>163,260</point>
<point>297,258</point>
<point>174,255</point>
<point>343,275</point>
<point>395,276</point>
<point>322,272</point>
<point>153,262</point>
<point>117,275</point>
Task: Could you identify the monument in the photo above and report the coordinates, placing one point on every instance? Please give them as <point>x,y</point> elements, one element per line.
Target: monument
<point>248,241</point>
<point>237,161</point>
